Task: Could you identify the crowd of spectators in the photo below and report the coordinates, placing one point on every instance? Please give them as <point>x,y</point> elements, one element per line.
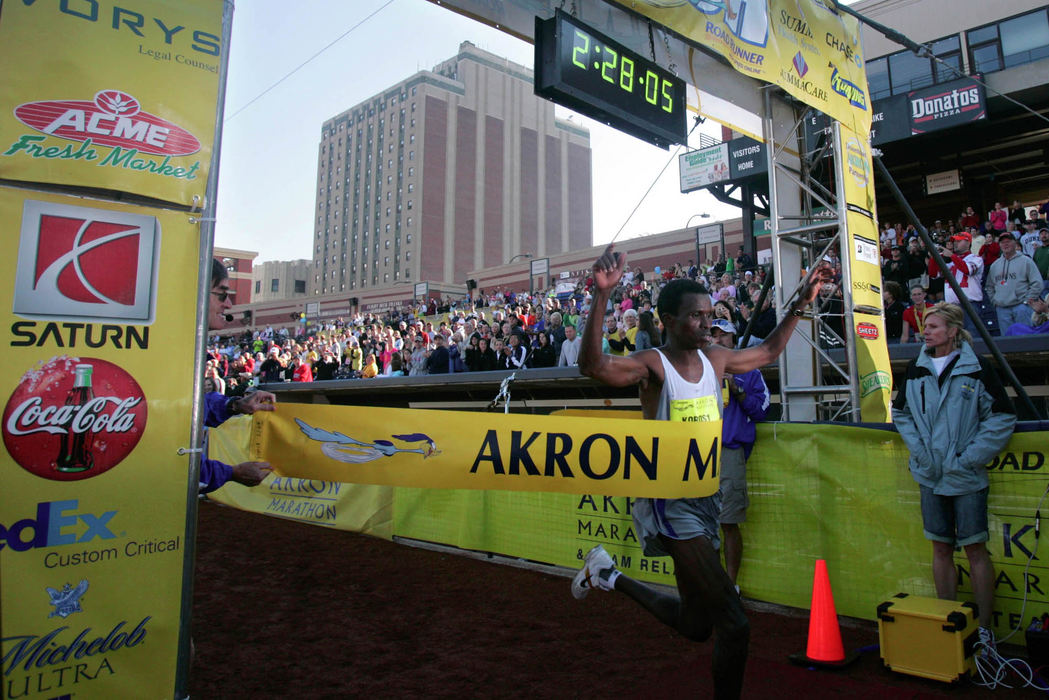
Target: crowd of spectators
<point>1000,261</point>
<point>499,330</point>
<point>503,330</point>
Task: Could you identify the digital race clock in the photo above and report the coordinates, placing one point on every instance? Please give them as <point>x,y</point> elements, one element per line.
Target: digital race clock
<point>586,71</point>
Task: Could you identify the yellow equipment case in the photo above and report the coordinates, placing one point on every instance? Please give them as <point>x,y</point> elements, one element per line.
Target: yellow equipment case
<point>927,637</point>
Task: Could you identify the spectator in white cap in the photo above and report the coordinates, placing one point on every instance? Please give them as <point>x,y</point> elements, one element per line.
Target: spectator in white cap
<point>745,399</point>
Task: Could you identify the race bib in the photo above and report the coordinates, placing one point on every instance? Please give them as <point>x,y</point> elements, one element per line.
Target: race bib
<point>700,409</point>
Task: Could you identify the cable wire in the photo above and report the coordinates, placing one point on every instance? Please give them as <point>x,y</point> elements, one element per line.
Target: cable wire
<point>297,68</point>
<point>649,190</point>
<point>992,669</point>
<point>925,51</point>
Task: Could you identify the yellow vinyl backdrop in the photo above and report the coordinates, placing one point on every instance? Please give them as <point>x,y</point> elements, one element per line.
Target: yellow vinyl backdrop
<point>804,46</point>
<point>113,96</point>
<point>93,504</point>
<point>872,350</point>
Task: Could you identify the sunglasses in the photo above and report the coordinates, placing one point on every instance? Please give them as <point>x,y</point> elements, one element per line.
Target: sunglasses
<point>223,295</point>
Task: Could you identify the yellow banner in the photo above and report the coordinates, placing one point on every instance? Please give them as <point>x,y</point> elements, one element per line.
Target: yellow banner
<point>804,46</point>
<point>357,507</point>
<point>462,450</point>
<point>96,404</point>
<point>872,350</point>
<point>114,97</point>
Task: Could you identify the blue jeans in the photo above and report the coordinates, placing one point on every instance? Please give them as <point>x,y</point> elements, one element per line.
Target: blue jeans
<point>956,520</point>
<point>1008,315</point>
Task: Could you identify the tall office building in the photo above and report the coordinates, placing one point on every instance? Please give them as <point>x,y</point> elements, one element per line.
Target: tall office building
<point>455,169</point>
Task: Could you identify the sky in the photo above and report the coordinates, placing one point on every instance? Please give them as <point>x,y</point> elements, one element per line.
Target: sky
<point>268,168</point>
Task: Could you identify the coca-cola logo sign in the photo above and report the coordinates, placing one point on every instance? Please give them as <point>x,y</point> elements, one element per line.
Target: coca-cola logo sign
<point>73,418</point>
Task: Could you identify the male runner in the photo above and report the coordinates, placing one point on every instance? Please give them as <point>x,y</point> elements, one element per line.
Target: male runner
<point>678,381</point>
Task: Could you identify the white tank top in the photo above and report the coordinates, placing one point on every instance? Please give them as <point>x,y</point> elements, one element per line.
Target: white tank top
<point>683,400</point>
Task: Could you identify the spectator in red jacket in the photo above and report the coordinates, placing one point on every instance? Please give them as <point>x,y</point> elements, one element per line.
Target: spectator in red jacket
<point>303,372</point>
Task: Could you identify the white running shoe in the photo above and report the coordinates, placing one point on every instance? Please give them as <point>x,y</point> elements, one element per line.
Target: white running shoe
<point>596,561</point>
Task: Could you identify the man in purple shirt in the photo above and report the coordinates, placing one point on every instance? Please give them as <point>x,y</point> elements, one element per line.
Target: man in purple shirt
<point>218,408</point>
<point>746,402</point>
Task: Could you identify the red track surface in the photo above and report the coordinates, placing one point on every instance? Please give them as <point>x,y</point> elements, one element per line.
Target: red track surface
<point>284,609</point>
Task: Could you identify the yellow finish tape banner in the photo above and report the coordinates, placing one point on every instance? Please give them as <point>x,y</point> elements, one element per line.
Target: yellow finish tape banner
<point>464,450</point>
<point>872,350</point>
<point>356,507</point>
<point>97,299</point>
<point>114,96</point>
<point>804,46</point>
<point>838,493</point>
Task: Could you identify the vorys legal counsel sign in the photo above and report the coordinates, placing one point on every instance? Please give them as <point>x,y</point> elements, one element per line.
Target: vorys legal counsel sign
<point>128,106</point>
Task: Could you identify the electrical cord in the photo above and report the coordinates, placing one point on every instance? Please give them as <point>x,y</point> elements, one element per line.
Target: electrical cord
<point>992,669</point>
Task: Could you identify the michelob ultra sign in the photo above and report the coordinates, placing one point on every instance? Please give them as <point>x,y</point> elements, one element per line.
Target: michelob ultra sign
<point>510,452</point>
<point>111,96</point>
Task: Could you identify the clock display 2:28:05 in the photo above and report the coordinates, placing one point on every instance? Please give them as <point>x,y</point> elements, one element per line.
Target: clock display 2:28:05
<point>598,61</point>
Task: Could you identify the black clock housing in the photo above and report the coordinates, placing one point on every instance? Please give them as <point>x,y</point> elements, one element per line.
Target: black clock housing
<point>588,72</point>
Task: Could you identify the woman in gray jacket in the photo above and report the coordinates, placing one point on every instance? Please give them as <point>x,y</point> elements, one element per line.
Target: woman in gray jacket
<point>954,416</point>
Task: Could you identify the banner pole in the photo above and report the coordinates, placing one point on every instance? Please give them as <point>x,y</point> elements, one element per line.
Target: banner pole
<point>207,241</point>
<point>844,244</point>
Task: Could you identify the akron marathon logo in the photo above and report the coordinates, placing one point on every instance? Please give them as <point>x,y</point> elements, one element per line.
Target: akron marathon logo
<point>94,264</point>
<point>113,120</point>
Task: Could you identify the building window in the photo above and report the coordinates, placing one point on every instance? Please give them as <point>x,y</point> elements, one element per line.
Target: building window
<point>274,285</point>
<point>258,286</point>
<point>908,72</point>
<point>1012,42</point>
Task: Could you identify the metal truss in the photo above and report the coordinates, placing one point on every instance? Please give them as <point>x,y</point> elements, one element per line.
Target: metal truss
<point>808,220</point>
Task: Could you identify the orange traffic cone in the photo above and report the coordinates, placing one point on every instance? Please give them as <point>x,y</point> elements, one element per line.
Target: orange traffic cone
<point>824,648</point>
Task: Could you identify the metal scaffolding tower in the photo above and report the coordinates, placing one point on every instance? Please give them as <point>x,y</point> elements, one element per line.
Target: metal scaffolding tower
<point>819,379</point>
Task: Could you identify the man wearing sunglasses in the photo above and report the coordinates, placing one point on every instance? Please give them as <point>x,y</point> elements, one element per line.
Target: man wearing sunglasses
<point>218,408</point>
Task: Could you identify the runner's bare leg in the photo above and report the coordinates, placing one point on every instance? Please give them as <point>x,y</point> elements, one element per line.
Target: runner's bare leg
<point>708,600</point>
